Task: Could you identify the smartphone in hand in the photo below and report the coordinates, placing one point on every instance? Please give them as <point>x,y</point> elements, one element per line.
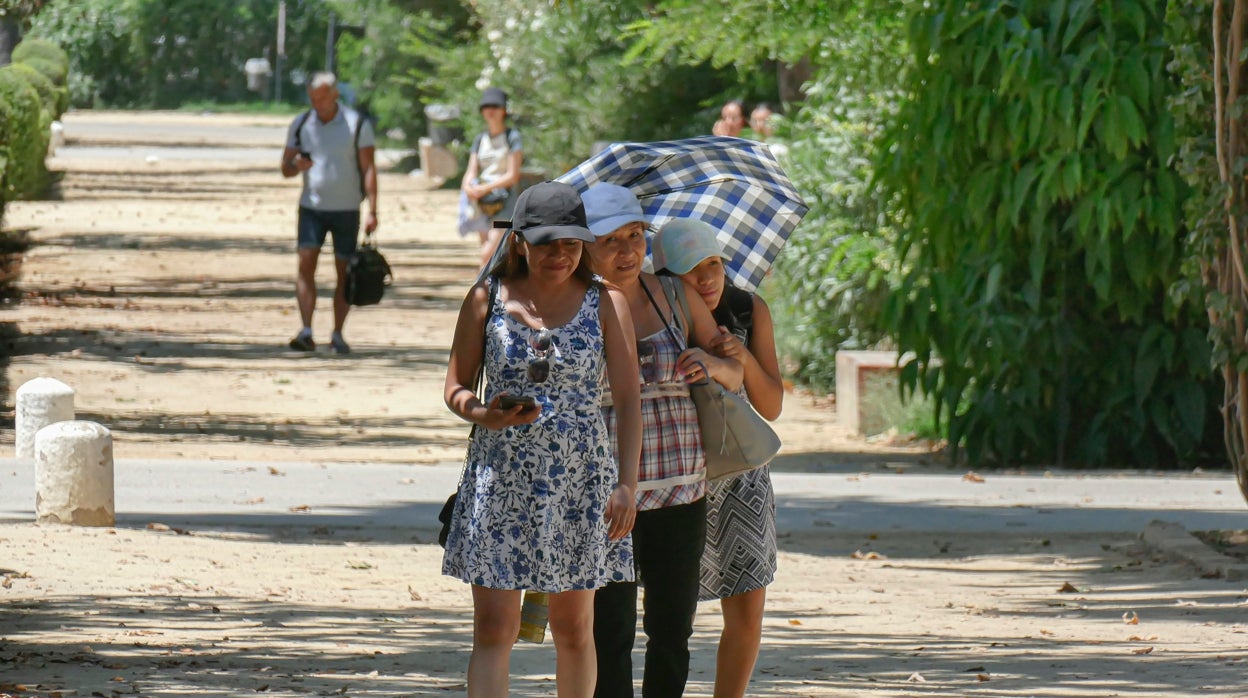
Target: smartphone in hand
<point>507,402</point>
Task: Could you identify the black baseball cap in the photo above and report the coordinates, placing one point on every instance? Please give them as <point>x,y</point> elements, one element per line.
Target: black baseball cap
<point>547,212</point>
<point>493,97</point>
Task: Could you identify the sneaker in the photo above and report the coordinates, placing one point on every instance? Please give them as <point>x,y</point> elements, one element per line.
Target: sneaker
<point>339,344</point>
<point>303,342</point>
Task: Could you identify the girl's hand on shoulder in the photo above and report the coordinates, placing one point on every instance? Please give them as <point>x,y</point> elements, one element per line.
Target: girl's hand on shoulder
<point>621,512</point>
<point>499,417</point>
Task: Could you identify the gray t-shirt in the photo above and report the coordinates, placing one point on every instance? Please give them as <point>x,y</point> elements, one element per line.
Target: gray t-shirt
<point>333,183</point>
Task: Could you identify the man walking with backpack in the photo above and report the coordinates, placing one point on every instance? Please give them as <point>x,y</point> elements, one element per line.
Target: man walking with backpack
<point>332,146</point>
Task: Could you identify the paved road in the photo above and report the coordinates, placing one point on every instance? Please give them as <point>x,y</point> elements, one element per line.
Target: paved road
<point>229,494</point>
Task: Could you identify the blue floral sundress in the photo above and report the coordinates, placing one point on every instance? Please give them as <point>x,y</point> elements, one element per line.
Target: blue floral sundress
<point>532,501</point>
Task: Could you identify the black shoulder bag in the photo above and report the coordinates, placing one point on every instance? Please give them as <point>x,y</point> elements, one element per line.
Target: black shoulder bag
<point>448,509</point>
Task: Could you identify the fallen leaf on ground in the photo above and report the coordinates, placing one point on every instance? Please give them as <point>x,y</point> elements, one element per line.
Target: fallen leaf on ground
<point>414,594</point>
<point>973,476</point>
<point>301,507</point>
<point>1130,618</point>
<point>275,471</point>
<point>794,621</point>
<point>1143,650</point>
<point>359,565</point>
<point>1068,588</point>
<point>983,677</point>
<point>1137,638</point>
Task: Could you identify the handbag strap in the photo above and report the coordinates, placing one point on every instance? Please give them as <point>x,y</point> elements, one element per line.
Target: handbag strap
<point>684,344</point>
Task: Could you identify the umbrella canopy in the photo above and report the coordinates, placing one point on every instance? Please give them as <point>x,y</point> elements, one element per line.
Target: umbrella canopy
<point>734,184</point>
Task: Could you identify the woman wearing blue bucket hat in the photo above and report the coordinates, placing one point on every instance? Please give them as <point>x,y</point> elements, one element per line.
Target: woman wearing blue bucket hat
<point>671,505</point>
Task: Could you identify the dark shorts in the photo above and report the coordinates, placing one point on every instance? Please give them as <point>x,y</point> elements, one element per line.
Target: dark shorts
<point>344,225</point>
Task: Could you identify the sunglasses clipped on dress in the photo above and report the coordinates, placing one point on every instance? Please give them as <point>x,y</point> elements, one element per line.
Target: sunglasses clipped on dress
<point>539,367</point>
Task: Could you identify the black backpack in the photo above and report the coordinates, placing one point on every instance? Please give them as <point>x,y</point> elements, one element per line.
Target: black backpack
<point>368,274</point>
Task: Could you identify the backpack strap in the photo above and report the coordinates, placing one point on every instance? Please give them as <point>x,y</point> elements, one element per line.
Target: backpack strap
<point>359,126</point>
<point>299,129</point>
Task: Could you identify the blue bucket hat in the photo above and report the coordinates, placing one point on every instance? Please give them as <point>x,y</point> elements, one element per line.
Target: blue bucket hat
<point>610,206</point>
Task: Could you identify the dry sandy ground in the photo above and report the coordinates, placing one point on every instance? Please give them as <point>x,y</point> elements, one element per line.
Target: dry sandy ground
<point>162,292</point>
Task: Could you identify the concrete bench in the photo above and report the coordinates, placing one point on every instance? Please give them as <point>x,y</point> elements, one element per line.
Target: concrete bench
<point>866,390</point>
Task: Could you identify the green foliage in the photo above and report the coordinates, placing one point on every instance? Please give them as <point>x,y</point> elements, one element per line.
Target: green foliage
<point>562,67</point>
<point>23,137</point>
<point>1204,212</point>
<point>48,94</point>
<point>153,53</point>
<point>43,50</point>
<point>1042,232</point>
<point>98,36</point>
<point>836,270</point>
<point>379,68</point>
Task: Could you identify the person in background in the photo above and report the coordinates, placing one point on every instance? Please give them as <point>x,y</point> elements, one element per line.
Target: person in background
<point>543,495</point>
<point>731,119</point>
<point>332,146</point>
<point>740,556</point>
<point>760,121</point>
<point>490,181</point>
<point>671,506</point>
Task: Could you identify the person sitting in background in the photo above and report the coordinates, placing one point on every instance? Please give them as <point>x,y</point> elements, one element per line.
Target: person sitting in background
<point>739,560</point>
<point>760,121</point>
<point>731,119</point>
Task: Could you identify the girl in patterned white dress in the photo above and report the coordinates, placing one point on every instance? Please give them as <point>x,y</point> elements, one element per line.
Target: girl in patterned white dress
<point>740,556</point>
<point>542,497</point>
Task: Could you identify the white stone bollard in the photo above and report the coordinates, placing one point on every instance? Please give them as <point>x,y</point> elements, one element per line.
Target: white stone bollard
<point>40,402</point>
<point>74,474</point>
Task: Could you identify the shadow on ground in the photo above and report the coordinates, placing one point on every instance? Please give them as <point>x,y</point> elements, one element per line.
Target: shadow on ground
<point>232,646</point>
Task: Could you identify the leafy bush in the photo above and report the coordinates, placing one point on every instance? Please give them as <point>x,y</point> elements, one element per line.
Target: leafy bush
<point>46,51</point>
<point>1041,233</point>
<point>48,96</point>
<point>568,87</point>
<point>22,136</point>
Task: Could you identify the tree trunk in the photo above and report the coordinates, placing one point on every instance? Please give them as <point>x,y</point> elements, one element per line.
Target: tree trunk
<point>1226,274</point>
<point>10,34</point>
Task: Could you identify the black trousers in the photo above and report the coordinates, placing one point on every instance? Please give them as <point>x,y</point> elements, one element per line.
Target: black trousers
<point>667,546</point>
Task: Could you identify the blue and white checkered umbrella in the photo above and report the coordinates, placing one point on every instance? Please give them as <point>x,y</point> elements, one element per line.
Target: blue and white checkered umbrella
<point>734,184</point>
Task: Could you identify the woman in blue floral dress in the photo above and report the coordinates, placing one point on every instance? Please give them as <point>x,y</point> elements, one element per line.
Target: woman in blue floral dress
<point>542,495</point>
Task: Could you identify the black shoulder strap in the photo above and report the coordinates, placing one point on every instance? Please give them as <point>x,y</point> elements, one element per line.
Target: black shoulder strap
<point>359,125</point>
<point>485,339</point>
<point>299,129</point>
<point>736,309</point>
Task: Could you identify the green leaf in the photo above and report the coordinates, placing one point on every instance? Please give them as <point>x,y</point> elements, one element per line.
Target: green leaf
<point>1189,402</point>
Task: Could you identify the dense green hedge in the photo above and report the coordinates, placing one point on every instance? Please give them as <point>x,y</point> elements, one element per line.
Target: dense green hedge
<point>23,135</point>
<point>48,99</point>
<point>1043,231</point>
